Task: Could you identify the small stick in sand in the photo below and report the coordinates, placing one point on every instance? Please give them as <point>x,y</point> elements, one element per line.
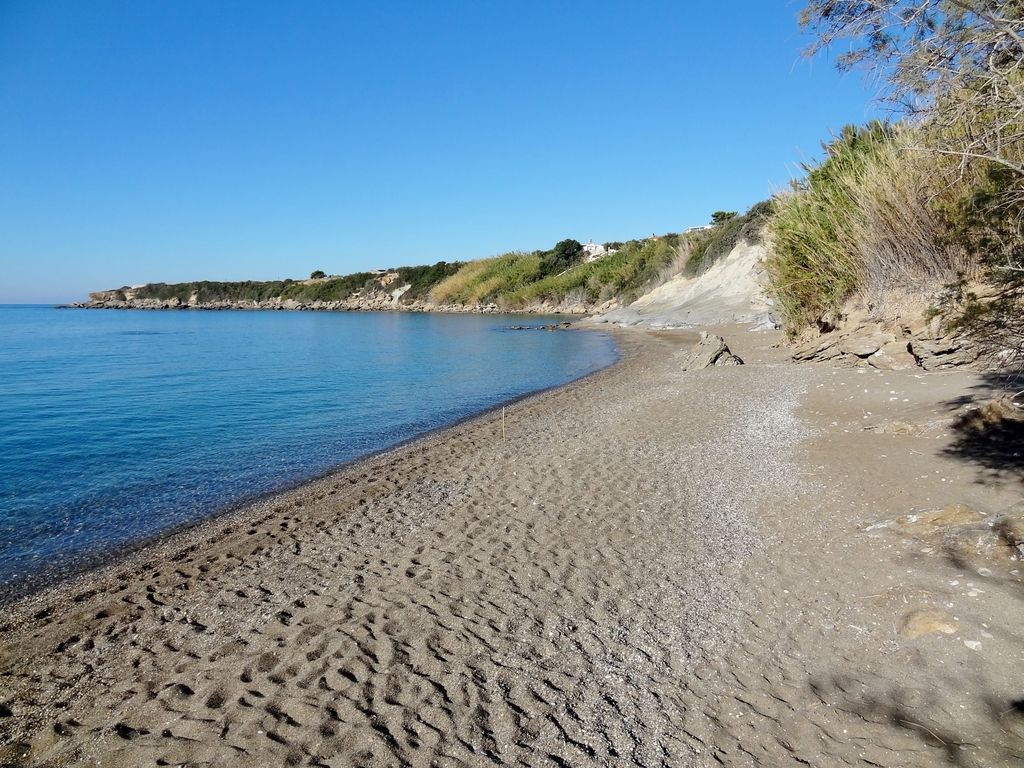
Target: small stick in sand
<point>503,423</point>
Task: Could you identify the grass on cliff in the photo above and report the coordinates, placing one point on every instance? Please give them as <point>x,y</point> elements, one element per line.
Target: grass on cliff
<point>868,220</point>
<point>480,281</point>
<point>499,278</point>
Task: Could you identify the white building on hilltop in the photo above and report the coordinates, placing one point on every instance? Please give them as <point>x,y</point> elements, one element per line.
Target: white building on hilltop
<point>594,251</point>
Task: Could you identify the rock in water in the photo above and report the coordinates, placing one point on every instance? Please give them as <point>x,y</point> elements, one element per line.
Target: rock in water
<point>710,350</point>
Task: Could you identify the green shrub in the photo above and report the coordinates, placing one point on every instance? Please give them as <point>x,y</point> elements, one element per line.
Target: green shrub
<point>422,279</point>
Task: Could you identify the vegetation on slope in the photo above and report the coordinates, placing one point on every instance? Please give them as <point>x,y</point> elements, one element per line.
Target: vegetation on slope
<point>208,291</point>
<point>936,200</point>
<point>420,280</point>
<point>480,281</point>
<point>622,274</point>
<point>877,219</point>
<point>561,275</point>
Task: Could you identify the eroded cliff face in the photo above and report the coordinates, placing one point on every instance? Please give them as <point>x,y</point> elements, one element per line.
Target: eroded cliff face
<point>732,290</point>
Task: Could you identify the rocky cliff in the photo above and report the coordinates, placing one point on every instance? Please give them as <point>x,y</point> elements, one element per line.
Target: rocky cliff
<point>913,340</point>
<point>370,301</point>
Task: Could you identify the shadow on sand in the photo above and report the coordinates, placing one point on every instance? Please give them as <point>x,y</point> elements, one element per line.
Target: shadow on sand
<point>990,429</point>
<point>946,745</point>
<point>988,433</point>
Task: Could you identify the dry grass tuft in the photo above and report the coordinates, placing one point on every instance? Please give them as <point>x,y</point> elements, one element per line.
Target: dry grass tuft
<point>870,221</point>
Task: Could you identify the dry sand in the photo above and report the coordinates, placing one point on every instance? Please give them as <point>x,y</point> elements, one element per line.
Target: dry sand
<point>655,568</point>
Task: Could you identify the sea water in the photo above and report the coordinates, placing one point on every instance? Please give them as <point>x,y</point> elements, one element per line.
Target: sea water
<point>116,426</point>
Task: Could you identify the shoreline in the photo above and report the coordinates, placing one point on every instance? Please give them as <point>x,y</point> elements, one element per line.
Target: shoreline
<point>725,566</point>
<point>25,589</point>
<point>335,306</point>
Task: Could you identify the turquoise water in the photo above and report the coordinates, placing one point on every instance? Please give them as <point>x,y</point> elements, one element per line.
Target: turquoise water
<point>116,426</point>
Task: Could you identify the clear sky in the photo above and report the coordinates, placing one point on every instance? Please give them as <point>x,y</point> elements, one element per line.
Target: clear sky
<point>171,141</point>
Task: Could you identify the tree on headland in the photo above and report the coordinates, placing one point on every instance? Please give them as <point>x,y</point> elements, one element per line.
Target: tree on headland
<point>561,257</point>
<point>317,274</point>
<point>720,217</point>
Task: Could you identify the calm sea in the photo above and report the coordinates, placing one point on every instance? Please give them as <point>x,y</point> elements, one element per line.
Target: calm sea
<point>115,426</point>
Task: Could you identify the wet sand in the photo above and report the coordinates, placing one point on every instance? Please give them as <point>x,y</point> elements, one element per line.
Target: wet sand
<point>652,567</point>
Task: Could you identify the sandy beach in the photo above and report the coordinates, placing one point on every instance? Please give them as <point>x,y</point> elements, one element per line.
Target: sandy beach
<point>737,566</point>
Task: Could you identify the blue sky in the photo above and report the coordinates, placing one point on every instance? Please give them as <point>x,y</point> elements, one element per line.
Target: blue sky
<point>169,141</point>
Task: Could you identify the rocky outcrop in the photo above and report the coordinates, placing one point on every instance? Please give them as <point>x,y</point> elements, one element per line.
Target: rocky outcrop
<point>710,350</point>
<point>373,303</point>
<point>857,340</point>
